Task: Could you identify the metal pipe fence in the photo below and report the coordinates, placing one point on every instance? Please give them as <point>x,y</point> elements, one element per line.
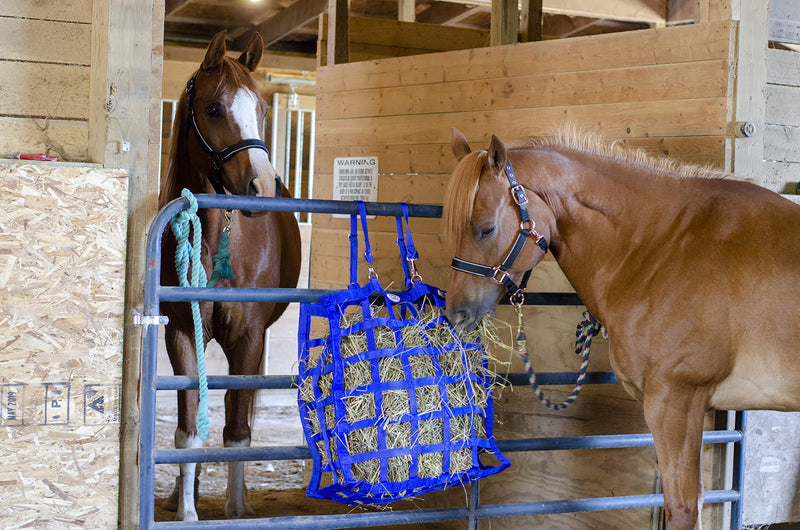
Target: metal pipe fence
<point>150,456</point>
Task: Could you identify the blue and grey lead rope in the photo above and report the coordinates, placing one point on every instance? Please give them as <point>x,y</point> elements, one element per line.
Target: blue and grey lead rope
<point>185,253</point>
<point>587,329</point>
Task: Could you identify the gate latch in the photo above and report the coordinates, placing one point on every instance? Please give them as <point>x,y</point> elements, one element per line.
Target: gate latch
<point>149,320</point>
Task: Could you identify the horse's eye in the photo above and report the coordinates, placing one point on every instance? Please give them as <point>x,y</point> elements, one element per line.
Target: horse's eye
<point>486,232</point>
<point>213,110</point>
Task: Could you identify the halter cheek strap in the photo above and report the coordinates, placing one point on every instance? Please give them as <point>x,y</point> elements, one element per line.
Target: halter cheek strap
<point>527,228</point>
<point>218,158</point>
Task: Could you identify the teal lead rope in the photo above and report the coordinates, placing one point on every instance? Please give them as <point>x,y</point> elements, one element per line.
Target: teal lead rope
<point>185,253</point>
<point>588,328</point>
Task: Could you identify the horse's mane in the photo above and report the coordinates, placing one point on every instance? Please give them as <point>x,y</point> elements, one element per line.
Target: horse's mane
<point>463,184</point>
<point>230,73</point>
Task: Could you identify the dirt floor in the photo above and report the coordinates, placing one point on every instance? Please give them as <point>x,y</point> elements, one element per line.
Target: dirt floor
<point>274,488</point>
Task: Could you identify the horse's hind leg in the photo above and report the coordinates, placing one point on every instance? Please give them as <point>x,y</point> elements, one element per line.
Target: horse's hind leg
<point>183,359</point>
<point>675,417</point>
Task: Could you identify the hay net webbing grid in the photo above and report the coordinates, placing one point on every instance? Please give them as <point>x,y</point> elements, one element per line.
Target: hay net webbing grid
<point>392,401</point>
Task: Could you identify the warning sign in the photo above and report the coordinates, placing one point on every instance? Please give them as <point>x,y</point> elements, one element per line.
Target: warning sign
<point>355,178</point>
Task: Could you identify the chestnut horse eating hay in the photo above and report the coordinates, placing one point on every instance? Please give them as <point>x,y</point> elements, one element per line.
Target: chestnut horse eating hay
<point>693,275</point>
<point>217,146</point>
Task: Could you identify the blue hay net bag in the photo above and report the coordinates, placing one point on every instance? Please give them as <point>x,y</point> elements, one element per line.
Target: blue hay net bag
<point>392,401</point>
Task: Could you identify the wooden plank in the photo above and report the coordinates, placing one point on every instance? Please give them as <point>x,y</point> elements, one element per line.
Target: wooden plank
<point>783,30</point>
<point>620,50</point>
<point>63,10</point>
<point>531,21</point>
<point>65,42</point>
<point>647,83</point>
<point>781,143</point>
<point>701,117</point>
<point>504,23</point>
<point>750,80</point>
<point>438,159</point>
<point>338,33</point>
<point>783,67</point>
<point>782,105</point>
<point>270,60</point>
<point>652,11</point>
<point>285,22</point>
<point>44,90</point>
<point>715,10</point>
<point>65,139</point>
<point>406,10</point>
<point>784,9</point>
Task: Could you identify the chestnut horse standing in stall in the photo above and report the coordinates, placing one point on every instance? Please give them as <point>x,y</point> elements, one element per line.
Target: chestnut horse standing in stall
<point>217,147</point>
<point>694,276</point>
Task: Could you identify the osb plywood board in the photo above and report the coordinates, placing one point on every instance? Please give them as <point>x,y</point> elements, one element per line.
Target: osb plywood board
<point>62,246</point>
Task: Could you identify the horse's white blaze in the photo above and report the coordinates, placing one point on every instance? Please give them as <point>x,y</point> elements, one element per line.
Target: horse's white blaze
<point>236,504</point>
<point>244,110</point>
<point>186,508</point>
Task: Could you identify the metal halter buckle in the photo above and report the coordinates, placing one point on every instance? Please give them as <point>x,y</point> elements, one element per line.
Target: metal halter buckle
<point>517,299</point>
<point>503,275</point>
<point>520,197</point>
<point>532,228</point>
<point>413,272</point>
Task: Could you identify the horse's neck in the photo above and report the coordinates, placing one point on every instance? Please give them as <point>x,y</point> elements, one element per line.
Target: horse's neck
<point>592,202</point>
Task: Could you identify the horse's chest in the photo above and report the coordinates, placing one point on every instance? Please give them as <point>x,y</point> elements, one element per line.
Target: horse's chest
<point>628,373</point>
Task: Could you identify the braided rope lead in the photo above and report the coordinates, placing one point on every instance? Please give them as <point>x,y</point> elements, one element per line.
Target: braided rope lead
<point>185,253</point>
<point>588,328</point>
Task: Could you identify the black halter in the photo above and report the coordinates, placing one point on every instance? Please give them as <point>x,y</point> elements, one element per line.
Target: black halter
<point>527,228</point>
<point>218,158</point>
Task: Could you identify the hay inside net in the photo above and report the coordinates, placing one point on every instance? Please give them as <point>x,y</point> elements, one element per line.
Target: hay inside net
<point>440,378</point>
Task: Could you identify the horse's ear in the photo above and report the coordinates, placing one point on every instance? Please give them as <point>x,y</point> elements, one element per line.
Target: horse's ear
<point>459,144</point>
<point>215,51</point>
<point>496,159</point>
<point>251,55</point>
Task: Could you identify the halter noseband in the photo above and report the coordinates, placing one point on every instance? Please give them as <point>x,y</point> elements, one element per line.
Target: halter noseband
<point>527,228</point>
<point>218,158</point>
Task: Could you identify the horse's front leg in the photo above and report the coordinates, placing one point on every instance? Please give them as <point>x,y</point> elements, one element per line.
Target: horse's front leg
<point>674,414</point>
<point>244,358</point>
<point>183,359</point>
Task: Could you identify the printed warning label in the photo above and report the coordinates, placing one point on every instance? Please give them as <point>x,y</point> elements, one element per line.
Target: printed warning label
<point>355,179</point>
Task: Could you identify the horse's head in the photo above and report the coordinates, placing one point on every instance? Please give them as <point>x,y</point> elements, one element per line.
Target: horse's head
<point>482,217</point>
<point>225,117</point>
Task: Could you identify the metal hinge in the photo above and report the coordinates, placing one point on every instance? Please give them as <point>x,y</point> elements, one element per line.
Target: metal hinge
<point>149,320</point>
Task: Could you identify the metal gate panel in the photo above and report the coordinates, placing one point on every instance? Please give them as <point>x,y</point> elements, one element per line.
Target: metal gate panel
<point>149,456</point>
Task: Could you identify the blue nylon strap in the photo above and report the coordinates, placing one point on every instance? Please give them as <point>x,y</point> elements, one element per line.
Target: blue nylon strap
<point>362,212</point>
<point>353,251</point>
<point>411,249</point>
<point>401,243</point>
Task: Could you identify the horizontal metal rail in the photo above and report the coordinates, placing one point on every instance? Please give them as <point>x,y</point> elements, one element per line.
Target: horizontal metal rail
<point>519,509</point>
<point>301,452</point>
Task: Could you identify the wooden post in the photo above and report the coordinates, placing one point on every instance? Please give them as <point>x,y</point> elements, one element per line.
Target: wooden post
<point>338,32</point>
<point>125,90</point>
<point>751,78</point>
<point>406,10</point>
<point>505,22</point>
<point>531,21</point>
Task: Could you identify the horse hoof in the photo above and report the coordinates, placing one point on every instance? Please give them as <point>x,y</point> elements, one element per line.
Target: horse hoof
<point>239,511</point>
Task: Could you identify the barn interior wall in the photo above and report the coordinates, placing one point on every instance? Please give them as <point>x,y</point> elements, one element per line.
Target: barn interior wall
<point>45,67</point>
<point>666,90</point>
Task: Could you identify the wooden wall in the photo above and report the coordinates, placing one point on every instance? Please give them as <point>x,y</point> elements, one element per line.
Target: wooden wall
<point>45,69</point>
<point>782,92</point>
<point>666,90</point>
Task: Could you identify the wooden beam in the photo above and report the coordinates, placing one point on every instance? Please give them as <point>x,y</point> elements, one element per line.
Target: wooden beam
<point>125,91</point>
<point>751,78</point>
<point>651,11</point>
<point>406,10</point>
<point>505,22</point>
<point>531,21</point>
<point>442,13</point>
<point>173,5</point>
<point>338,32</point>
<point>275,28</point>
